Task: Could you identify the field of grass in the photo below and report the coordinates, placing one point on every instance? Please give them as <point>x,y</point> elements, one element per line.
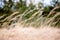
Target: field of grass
<point>27,26</point>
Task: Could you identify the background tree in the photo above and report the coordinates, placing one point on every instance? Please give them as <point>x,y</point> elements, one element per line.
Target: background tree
<point>55,3</point>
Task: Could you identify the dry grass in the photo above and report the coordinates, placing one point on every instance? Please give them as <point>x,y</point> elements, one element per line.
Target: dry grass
<point>36,17</point>
<point>24,29</point>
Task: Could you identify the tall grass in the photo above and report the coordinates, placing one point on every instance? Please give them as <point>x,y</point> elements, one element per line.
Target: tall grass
<point>44,26</point>
<point>28,18</point>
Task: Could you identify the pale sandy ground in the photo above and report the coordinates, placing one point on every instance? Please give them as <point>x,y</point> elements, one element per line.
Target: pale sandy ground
<point>46,33</point>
